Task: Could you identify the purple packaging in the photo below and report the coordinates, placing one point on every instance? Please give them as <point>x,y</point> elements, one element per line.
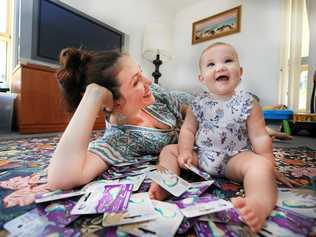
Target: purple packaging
<point>112,232</point>
<point>53,230</point>
<point>202,229</point>
<point>183,203</point>
<point>58,212</point>
<point>114,203</point>
<point>292,221</point>
<point>120,204</point>
<point>210,229</point>
<point>227,216</point>
<point>197,189</point>
<point>144,187</point>
<point>186,224</point>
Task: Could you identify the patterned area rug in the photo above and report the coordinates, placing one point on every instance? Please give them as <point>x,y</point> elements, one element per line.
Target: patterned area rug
<point>24,160</point>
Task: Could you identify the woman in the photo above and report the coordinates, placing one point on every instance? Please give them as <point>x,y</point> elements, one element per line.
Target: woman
<point>143,119</point>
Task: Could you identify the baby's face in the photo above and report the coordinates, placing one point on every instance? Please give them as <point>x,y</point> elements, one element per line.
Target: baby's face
<point>220,70</point>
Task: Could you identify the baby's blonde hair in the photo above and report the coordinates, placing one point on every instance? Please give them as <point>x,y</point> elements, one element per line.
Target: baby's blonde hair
<point>213,45</point>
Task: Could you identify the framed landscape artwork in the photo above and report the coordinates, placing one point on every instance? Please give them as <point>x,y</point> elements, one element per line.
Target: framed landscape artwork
<point>221,24</point>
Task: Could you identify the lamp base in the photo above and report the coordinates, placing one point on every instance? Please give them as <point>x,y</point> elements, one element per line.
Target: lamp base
<point>156,74</point>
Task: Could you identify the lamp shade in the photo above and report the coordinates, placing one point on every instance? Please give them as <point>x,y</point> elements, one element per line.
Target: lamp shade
<point>157,40</point>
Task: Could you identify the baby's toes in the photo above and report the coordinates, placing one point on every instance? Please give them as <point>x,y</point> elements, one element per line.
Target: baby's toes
<point>239,202</point>
<point>250,216</point>
<point>252,221</point>
<point>256,227</point>
<point>245,211</point>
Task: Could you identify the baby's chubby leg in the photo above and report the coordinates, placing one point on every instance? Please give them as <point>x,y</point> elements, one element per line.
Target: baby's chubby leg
<point>257,174</point>
<point>168,159</point>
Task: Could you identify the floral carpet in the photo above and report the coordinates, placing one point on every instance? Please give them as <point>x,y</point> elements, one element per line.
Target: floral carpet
<point>23,163</point>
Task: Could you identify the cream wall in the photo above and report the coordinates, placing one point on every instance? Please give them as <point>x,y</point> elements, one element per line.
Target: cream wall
<point>258,42</point>
<point>258,45</point>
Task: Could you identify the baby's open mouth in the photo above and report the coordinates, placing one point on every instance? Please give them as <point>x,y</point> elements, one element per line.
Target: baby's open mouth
<point>222,78</point>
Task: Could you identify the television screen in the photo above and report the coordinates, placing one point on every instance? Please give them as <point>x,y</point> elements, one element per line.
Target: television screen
<point>59,26</point>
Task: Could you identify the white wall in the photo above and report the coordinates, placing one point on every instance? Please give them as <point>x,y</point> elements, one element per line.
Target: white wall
<point>130,17</point>
<point>258,45</point>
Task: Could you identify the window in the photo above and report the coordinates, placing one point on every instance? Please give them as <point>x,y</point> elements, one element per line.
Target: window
<point>294,83</point>
<point>5,39</point>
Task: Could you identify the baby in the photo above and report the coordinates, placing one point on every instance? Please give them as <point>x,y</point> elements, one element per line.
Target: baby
<point>228,129</point>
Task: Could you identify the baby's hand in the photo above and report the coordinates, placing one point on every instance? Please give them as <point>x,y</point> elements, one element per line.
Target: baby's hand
<point>185,158</point>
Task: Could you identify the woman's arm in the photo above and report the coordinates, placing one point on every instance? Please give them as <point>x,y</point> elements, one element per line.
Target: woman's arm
<point>72,165</point>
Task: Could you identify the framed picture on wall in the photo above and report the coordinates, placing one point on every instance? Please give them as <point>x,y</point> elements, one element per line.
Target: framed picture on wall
<point>221,24</point>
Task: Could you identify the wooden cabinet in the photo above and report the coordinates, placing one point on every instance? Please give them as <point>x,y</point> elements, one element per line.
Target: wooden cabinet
<point>39,104</point>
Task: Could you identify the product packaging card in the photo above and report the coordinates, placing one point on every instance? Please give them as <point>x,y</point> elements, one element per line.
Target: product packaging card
<point>110,232</point>
<point>301,201</point>
<point>140,208</point>
<point>169,181</point>
<point>35,221</point>
<point>136,180</point>
<point>198,206</point>
<point>196,188</point>
<point>230,216</point>
<point>107,198</point>
<point>97,185</point>
<point>53,230</point>
<point>57,195</point>
<point>167,222</point>
<point>210,229</point>
<point>284,222</point>
<point>198,171</point>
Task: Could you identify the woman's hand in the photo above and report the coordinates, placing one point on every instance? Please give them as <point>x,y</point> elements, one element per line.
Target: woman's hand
<point>285,180</point>
<point>103,94</point>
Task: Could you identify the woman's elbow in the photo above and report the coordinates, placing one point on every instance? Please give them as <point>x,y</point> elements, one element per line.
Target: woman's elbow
<point>56,180</point>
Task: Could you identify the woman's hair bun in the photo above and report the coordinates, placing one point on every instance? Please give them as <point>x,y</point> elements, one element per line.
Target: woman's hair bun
<point>72,58</point>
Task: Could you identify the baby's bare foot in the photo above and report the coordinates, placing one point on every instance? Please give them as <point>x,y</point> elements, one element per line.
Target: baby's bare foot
<point>252,212</point>
<point>157,192</point>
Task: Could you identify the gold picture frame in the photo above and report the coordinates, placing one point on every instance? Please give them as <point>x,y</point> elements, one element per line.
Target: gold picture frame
<point>221,24</point>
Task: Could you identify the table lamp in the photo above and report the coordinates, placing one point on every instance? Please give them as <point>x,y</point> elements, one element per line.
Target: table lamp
<point>157,46</point>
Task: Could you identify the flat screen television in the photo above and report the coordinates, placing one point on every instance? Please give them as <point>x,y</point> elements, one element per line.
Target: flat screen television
<point>57,26</point>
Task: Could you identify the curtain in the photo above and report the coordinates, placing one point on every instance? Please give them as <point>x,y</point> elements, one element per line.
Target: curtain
<point>311,13</point>
<point>291,52</point>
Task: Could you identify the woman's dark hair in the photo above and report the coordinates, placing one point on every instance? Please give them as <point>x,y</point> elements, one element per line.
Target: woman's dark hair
<point>79,68</point>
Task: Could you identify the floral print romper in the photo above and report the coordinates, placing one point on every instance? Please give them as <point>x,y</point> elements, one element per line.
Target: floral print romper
<point>222,129</point>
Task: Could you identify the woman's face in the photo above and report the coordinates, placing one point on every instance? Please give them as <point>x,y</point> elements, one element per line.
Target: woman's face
<point>135,87</point>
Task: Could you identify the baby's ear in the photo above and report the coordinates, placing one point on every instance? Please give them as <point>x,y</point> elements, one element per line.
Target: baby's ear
<point>201,78</point>
<point>241,71</point>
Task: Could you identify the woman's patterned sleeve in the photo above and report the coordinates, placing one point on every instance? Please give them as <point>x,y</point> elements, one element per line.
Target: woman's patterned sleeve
<point>104,147</point>
<point>167,98</point>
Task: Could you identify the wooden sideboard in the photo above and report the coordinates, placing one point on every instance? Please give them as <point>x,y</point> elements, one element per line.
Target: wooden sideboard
<point>39,104</point>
